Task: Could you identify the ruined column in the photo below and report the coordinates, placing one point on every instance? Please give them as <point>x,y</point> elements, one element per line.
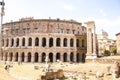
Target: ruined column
<point>94,41</point>
<point>91,40</point>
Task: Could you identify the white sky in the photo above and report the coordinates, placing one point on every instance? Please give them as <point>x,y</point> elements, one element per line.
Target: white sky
<point>105,13</point>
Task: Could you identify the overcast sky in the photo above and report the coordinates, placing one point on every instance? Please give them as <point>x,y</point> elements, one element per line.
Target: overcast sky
<point>105,13</point>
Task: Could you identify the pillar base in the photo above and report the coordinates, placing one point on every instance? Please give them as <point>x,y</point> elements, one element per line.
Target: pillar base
<point>90,58</point>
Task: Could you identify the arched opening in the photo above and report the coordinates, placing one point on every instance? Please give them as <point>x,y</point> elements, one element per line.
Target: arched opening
<point>77,43</point>
<point>2,42</point>
<point>12,42</point>
<point>43,57</point>
<point>83,57</point>
<point>50,42</point>
<point>6,54</point>
<point>36,57</point>
<point>82,43</point>
<point>71,43</point>
<point>37,41</point>
<point>65,57</point>
<point>23,56</point>
<point>23,42</point>
<point>58,56</point>
<point>51,57</point>
<point>29,57</point>
<point>71,57</point>
<point>65,42</point>
<point>11,56</point>
<point>16,56</point>
<point>30,42</point>
<point>17,42</point>
<point>7,42</point>
<point>43,42</point>
<point>58,42</point>
<point>1,56</point>
<point>78,57</point>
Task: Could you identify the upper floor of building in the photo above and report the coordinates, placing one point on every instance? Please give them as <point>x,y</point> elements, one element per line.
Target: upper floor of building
<point>30,25</point>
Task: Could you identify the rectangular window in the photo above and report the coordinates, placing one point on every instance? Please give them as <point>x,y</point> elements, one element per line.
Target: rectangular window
<point>58,25</point>
<point>23,31</point>
<point>28,30</point>
<point>28,24</point>
<point>53,30</point>
<point>35,30</point>
<point>61,31</point>
<point>68,31</point>
<point>44,29</point>
<point>7,31</point>
<point>17,31</point>
<point>73,31</point>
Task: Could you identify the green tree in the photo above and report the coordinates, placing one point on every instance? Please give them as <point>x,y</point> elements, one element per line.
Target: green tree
<point>113,50</point>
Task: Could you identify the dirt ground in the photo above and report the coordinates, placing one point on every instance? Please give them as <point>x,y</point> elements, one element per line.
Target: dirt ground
<point>33,71</point>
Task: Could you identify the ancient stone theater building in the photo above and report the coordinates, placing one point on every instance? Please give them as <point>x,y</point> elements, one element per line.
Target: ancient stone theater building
<point>31,40</point>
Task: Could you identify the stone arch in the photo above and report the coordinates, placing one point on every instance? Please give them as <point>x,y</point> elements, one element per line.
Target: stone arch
<point>23,41</point>
<point>6,56</point>
<point>16,56</point>
<point>77,43</point>
<point>11,56</point>
<point>82,43</point>
<point>29,57</point>
<point>7,42</point>
<point>30,41</point>
<point>2,42</point>
<point>71,57</point>
<point>23,57</point>
<point>44,42</point>
<point>58,42</point>
<point>71,42</point>
<point>77,57</point>
<point>83,57</point>
<point>65,57</point>
<point>51,57</point>
<point>65,42</point>
<point>17,42</point>
<point>36,57</point>
<point>58,56</point>
<point>1,56</point>
<point>12,42</point>
<point>43,57</point>
<point>36,41</point>
<point>51,42</point>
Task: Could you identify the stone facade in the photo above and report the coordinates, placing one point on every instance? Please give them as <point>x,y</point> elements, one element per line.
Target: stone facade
<point>118,43</point>
<point>31,40</point>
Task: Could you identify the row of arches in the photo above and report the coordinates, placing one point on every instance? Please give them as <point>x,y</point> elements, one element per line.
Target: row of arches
<point>36,57</point>
<point>43,42</point>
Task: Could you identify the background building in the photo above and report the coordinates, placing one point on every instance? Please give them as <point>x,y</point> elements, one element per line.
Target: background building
<point>104,43</point>
<point>31,40</point>
<point>118,42</point>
